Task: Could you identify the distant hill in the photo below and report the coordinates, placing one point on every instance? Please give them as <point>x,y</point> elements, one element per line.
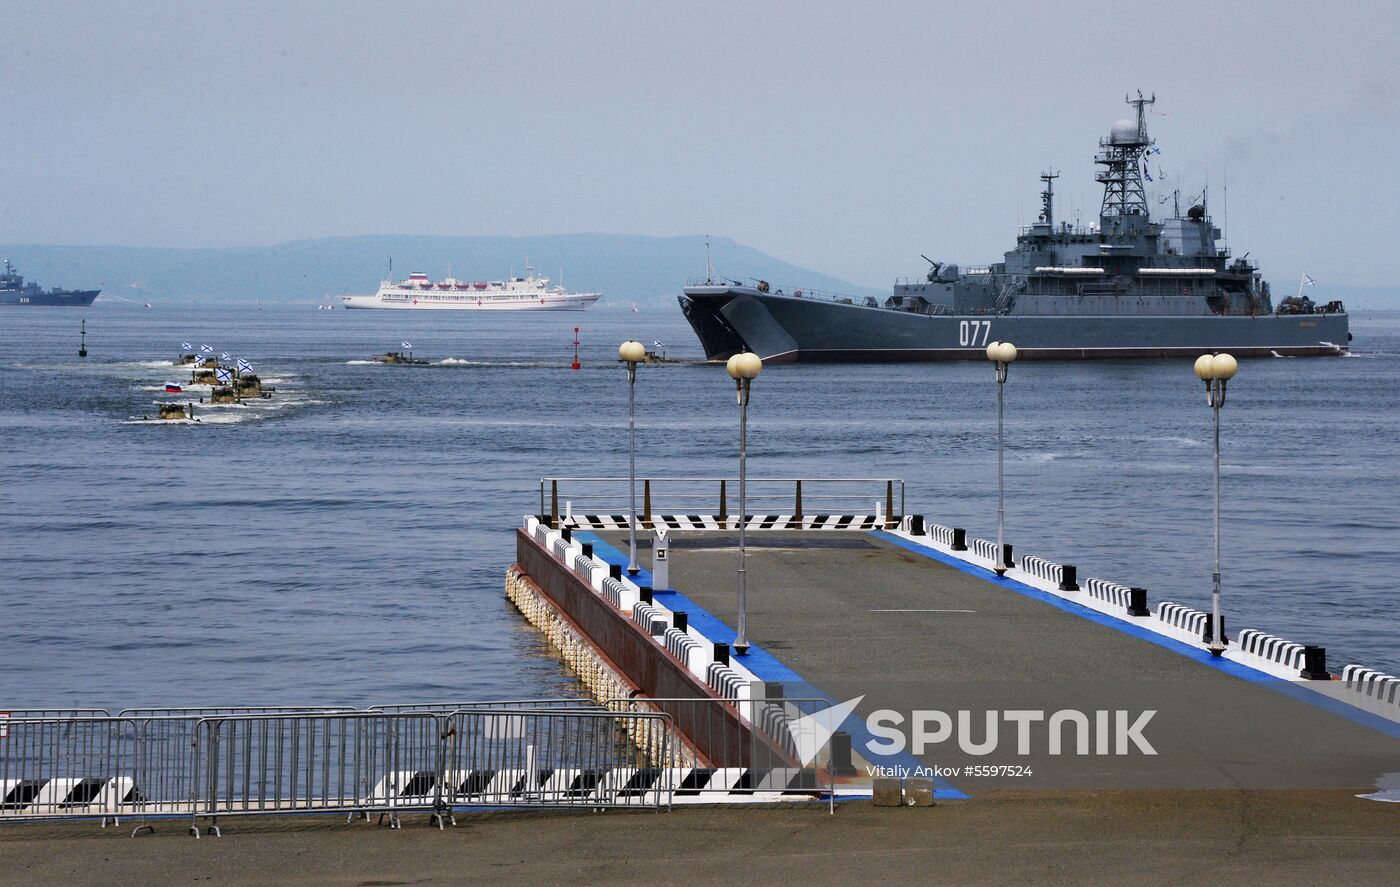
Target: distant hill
<point>625,268</point>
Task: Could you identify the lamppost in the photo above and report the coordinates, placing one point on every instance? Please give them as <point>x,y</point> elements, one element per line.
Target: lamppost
<point>1002,354</point>
<point>1216,370</point>
<point>743,369</point>
<point>632,353</point>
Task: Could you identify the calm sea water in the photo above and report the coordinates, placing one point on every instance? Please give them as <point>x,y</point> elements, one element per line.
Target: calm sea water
<point>346,542</point>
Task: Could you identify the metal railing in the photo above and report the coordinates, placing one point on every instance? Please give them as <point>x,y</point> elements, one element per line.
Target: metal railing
<point>797,292</point>
<point>206,764</point>
<point>794,496</point>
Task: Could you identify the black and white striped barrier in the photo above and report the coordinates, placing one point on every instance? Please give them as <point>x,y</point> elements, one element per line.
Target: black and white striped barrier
<point>953,537</point>
<point>1131,599</point>
<point>585,565</point>
<point>27,798</point>
<point>409,788</point>
<point>1063,575</point>
<point>987,550</point>
<point>1189,620</point>
<point>613,589</point>
<point>725,681</point>
<point>649,617</point>
<point>1377,685</point>
<point>1275,649</point>
<point>682,645</point>
<point>774,722</point>
<point>755,522</point>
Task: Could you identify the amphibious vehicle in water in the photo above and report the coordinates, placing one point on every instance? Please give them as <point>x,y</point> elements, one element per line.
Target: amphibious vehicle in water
<point>14,291</point>
<point>1130,287</point>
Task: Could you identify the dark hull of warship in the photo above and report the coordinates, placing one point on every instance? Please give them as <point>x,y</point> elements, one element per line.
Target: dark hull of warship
<point>730,319</point>
<point>62,298</point>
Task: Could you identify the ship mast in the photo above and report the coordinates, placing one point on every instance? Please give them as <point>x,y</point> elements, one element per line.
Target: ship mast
<point>1121,156</point>
<point>1047,198</point>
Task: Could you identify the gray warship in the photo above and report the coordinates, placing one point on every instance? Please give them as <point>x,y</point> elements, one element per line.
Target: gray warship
<point>1130,287</point>
<point>14,291</point>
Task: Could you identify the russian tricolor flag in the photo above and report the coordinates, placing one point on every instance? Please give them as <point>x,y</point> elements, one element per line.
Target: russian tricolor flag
<point>172,388</point>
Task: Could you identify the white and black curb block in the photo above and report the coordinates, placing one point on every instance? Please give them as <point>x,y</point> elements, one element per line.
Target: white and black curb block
<point>1132,600</point>
<point>1187,620</point>
<point>1377,685</point>
<point>570,786</point>
<point>1063,575</point>
<point>37,797</point>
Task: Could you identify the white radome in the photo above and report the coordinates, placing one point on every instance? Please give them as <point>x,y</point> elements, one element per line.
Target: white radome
<point>1124,132</point>
<point>632,352</point>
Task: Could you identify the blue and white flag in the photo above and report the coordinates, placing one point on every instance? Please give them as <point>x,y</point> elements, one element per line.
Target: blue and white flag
<point>408,346</point>
<point>206,349</point>
<point>223,375</point>
<point>223,355</point>
<point>658,344</point>
<point>244,366</point>
<point>184,346</point>
<point>1145,174</point>
<point>1308,281</point>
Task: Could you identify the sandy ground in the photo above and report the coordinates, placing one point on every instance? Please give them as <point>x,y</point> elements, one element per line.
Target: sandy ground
<point>1068,838</point>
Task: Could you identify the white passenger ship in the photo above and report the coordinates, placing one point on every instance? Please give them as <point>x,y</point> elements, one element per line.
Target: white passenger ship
<point>527,293</point>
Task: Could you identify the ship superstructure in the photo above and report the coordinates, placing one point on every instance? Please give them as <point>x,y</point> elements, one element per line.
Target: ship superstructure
<point>528,293</point>
<point>1128,287</point>
<point>14,291</point>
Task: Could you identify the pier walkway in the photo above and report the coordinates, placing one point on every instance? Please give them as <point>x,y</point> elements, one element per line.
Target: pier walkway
<point>911,629</point>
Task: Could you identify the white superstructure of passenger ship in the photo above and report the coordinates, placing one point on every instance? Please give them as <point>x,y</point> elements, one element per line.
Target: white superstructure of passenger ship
<point>528,293</point>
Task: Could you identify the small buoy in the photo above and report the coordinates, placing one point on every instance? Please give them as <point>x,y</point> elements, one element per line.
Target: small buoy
<point>575,363</point>
<point>82,342</point>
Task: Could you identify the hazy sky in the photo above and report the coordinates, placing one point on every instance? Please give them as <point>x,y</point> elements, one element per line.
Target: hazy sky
<point>848,137</point>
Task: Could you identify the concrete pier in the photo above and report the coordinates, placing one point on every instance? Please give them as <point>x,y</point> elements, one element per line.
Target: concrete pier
<point>864,614</point>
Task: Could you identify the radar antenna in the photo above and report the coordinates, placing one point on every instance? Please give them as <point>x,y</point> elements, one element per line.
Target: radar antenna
<point>1047,197</point>
<point>1121,156</point>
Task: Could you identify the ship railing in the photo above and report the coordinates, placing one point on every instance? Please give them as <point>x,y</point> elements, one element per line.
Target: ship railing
<point>562,498</point>
<point>775,289</point>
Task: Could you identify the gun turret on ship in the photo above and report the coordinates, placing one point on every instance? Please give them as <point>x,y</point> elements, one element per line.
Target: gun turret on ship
<point>1130,287</point>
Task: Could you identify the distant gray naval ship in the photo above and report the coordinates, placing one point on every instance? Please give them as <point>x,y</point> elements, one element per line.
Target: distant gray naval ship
<point>14,291</point>
<point>1129,288</point>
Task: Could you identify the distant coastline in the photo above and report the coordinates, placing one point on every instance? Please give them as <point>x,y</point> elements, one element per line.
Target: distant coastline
<point>628,268</point>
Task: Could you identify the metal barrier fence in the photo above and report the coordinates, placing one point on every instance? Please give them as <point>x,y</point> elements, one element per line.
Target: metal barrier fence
<point>714,496</point>
<point>754,745</point>
<point>65,767</point>
<point>178,762</point>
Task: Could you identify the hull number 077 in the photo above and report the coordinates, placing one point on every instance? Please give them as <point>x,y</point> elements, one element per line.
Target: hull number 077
<point>974,332</point>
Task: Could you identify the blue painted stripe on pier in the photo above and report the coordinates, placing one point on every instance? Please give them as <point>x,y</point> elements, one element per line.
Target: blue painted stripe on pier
<point>765,666</point>
<point>1288,688</point>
